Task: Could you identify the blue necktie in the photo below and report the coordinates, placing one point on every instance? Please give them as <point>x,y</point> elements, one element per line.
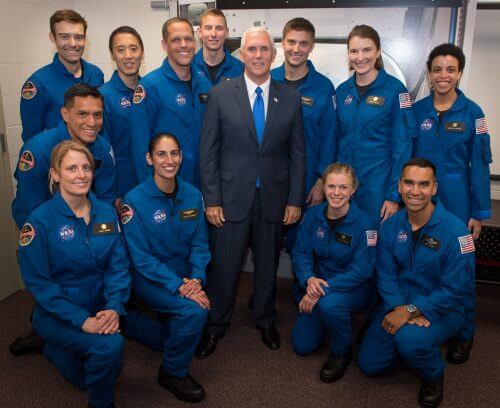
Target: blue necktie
<point>259,115</point>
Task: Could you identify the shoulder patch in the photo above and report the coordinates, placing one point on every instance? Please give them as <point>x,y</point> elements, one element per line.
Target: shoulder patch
<point>139,94</point>
<point>371,237</point>
<point>126,214</point>
<point>112,154</point>
<point>481,126</point>
<point>26,161</point>
<point>27,234</point>
<point>29,90</point>
<point>404,100</point>
<point>466,244</point>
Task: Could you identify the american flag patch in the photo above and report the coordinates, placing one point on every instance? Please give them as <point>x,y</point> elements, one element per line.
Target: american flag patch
<point>404,100</point>
<point>466,244</point>
<point>481,126</point>
<point>371,238</point>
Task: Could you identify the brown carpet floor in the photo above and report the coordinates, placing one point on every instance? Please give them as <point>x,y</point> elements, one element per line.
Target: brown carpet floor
<point>244,373</point>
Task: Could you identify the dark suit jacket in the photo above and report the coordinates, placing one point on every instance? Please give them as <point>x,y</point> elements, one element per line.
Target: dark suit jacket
<point>231,158</point>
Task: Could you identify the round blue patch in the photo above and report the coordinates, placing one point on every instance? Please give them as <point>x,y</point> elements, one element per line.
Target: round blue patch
<point>67,232</point>
<point>125,102</point>
<point>160,216</point>
<point>426,125</point>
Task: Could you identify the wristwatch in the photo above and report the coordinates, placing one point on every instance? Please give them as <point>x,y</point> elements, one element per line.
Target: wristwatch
<point>411,308</point>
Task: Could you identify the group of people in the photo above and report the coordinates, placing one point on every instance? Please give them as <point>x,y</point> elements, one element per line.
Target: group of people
<point>380,199</point>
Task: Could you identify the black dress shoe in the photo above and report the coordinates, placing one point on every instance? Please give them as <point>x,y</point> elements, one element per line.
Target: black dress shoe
<point>431,393</point>
<point>110,406</point>
<point>334,367</point>
<point>207,344</point>
<point>29,342</point>
<point>270,336</point>
<point>185,389</point>
<point>459,350</point>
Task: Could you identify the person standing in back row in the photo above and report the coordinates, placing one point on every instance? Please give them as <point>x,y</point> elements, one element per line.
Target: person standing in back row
<point>42,94</point>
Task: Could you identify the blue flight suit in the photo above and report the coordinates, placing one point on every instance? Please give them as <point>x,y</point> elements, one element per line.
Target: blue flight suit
<point>117,104</point>
<point>345,258</point>
<point>32,171</point>
<point>460,149</point>
<point>42,95</point>
<point>168,241</point>
<point>75,270</point>
<point>375,137</point>
<point>164,103</point>
<point>231,68</point>
<point>434,274</point>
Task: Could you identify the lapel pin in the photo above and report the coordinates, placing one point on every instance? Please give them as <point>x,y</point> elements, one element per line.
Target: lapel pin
<point>275,99</point>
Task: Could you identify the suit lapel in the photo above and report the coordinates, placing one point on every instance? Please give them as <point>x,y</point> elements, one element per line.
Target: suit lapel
<point>272,108</point>
<point>241,94</point>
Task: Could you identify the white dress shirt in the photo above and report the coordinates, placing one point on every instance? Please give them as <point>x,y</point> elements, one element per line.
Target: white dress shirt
<point>252,86</point>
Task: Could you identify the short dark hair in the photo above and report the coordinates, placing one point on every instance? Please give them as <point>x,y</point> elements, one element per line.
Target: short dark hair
<point>70,16</point>
<point>366,31</point>
<point>447,49</point>
<point>124,30</point>
<point>171,21</point>
<point>156,139</point>
<point>213,12</point>
<point>299,24</point>
<point>419,162</point>
<point>81,90</point>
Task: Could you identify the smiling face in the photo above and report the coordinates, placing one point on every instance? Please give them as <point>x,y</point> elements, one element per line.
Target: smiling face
<point>69,39</point>
<point>179,44</point>
<point>338,188</point>
<point>417,186</point>
<point>84,118</point>
<point>363,54</point>
<point>74,175</point>
<point>127,53</point>
<point>165,158</point>
<point>213,32</point>
<point>258,54</point>
<point>297,45</point>
<point>444,74</point>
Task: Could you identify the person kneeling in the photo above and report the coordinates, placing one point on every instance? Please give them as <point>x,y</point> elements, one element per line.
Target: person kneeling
<point>333,258</point>
<point>425,270</point>
<point>166,233</point>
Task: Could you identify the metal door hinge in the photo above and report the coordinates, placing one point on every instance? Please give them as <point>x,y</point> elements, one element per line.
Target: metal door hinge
<point>2,143</point>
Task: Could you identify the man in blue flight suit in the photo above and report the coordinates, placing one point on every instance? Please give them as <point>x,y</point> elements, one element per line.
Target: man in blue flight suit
<point>42,94</point>
<point>425,267</point>
<point>214,60</point>
<point>127,50</point>
<point>171,99</point>
<point>82,121</point>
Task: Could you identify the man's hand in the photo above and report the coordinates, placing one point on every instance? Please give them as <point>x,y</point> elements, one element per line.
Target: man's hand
<point>215,216</point>
<point>91,326</point>
<point>388,208</point>
<point>420,321</point>
<point>108,322</point>
<point>189,287</point>
<point>394,320</point>
<point>316,195</point>
<point>314,287</point>
<point>292,215</point>
<point>474,227</point>
<point>201,299</point>
<point>307,304</point>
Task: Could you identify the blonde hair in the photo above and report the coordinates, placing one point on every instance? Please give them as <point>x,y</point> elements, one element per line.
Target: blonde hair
<point>339,168</point>
<point>58,154</point>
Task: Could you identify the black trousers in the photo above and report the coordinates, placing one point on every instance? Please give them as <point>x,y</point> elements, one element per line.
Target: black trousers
<point>229,245</point>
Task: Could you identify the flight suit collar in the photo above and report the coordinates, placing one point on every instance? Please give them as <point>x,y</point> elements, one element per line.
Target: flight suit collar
<point>63,70</point>
<point>169,72</point>
<point>62,207</point>
<point>118,83</point>
<point>351,216</point>
<point>156,192</point>
<point>379,81</point>
<point>280,72</point>
<point>436,217</point>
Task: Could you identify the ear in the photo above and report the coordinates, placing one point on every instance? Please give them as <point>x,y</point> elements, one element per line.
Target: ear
<point>274,54</point>
<point>399,186</point>
<point>149,159</point>
<point>65,114</point>
<point>52,38</point>
<point>435,189</point>
<point>164,46</point>
<point>54,175</point>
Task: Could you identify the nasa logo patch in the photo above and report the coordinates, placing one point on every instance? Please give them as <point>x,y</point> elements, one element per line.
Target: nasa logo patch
<point>29,90</point>
<point>402,236</point>
<point>26,161</point>
<point>139,94</point>
<point>67,232</point>
<point>160,216</point>
<point>426,125</point>
<point>320,233</point>
<point>348,100</point>
<point>180,99</point>
<point>27,234</point>
<point>125,102</point>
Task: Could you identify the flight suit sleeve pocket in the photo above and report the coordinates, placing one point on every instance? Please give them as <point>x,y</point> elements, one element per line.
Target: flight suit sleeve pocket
<point>410,124</point>
<point>486,149</point>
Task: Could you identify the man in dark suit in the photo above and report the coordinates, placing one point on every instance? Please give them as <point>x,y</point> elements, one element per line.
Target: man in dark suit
<point>252,172</point>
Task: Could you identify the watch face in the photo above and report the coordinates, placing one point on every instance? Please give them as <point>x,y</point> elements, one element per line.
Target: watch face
<point>411,308</point>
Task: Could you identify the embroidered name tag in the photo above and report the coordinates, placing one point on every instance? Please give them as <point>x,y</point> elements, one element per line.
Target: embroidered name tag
<point>189,214</point>
<point>375,100</point>
<point>103,228</point>
<point>343,238</point>
<point>307,101</point>
<point>455,126</point>
<point>431,243</point>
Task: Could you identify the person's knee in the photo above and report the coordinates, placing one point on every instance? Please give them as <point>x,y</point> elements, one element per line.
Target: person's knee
<point>301,346</point>
<point>368,364</point>
<point>109,347</point>
<point>410,345</point>
<point>194,315</point>
<point>329,306</point>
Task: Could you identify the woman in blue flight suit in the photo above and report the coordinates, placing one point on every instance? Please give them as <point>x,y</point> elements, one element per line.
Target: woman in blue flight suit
<point>74,262</point>
<point>452,134</point>
<point>377,125</point>
<point>166,233</point>
<point>334,259</point>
